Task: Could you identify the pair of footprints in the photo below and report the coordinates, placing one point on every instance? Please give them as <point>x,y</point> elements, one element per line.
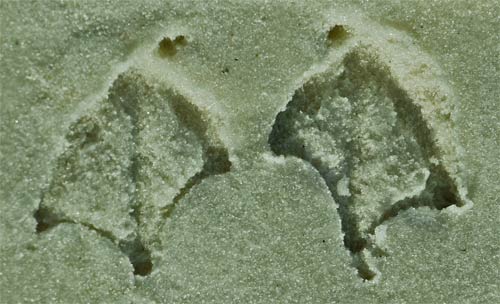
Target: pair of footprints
<point>131,161</point>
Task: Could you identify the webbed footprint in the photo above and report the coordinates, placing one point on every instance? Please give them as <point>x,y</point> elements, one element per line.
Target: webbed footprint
<point>370,142</point>
<point>128,161</point>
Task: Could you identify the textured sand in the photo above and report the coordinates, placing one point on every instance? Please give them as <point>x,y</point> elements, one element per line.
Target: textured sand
<point>256,152</point>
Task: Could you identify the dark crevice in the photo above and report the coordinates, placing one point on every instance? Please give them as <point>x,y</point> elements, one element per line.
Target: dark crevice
<point>138,254</point>
<point>364,271</point>
<point>139,257</point>
<point>168,47</point>
<point>440,190</point>
<point>216,162</point>
<point>438,194</point>
<point>215,156</point>
<point>47,220</point>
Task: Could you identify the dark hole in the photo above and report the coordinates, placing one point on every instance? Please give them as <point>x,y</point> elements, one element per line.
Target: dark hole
<point>42,217</point>
<point>168,47</point>
<point>337,33</point>
<point>41,227</point>
<point>180,40</point>
<point>446,198</point>
<point>143,268</point>
<point>139,256</point>
<point>366,274</point>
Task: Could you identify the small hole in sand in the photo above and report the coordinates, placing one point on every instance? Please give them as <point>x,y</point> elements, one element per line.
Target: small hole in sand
<point>180,40</point>
<point>168,47</point>
<point>143,268</point>
<point>337,33</point>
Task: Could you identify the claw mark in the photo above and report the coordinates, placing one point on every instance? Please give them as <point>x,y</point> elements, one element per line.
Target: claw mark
<point>372,146</point>
<point>105,177</point>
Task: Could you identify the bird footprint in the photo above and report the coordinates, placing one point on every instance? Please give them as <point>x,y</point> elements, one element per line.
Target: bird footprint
<point>379,150</point>
<point>371,144</point>
<point>128,163</point>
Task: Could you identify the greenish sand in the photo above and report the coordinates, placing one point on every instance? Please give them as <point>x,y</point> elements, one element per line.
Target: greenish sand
<point>249,151</point>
